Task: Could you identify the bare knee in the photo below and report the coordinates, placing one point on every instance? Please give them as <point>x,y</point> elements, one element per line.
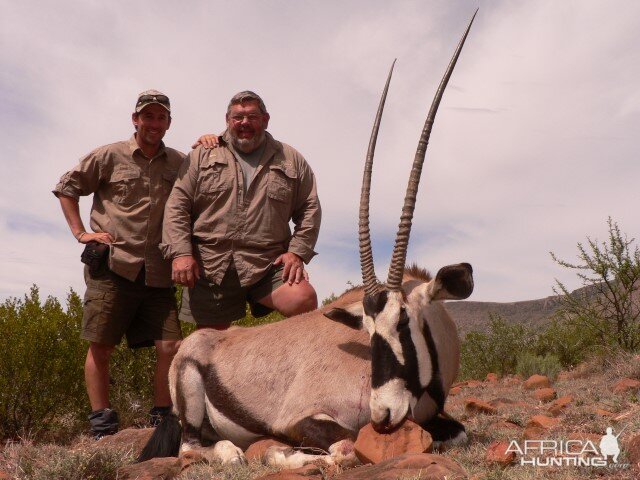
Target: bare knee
<point>99,353</point>
<point>295,299</point>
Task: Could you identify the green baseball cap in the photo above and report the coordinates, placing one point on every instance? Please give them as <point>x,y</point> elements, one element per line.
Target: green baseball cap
<point>152,96</point>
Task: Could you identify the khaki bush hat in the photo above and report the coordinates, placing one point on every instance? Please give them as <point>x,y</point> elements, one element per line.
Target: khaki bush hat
<point>152,96</point>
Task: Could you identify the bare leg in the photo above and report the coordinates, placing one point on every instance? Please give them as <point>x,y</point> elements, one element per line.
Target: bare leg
<point>96,374</point>
<point>165,351</point>
<point>293,299</point>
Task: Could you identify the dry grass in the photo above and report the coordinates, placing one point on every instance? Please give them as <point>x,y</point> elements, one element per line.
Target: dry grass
<point>590,385</point>
<point>28,461</point>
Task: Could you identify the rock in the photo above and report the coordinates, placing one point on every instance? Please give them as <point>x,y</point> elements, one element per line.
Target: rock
<point>308,472</point>
<point>165,468</point>
<point>491,378</point>
<point>504,425</point>
<point>536,381</point>
<point>411,465</point>
<point>512,380</point>
<point>559,405</point>
<point>633,452</point>
<point>626,385</point>
<point>475,405</point>
<point>497,453</point>
<point>583,437</point>
<point>543,421</point>
<point>534,432</point>
<point>455,391</point>
<point>507,402</point>
<point>373,447</point>
<point>257,449</point>
<point>604,413</point>
<point>129,438</point>
<point>191,457</point>
<point>545,394</point>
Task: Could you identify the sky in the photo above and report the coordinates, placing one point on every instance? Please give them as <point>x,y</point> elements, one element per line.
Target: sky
<point>534,146</point>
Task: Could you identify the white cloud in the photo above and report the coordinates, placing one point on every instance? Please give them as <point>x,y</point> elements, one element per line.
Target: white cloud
<point>534,145</point>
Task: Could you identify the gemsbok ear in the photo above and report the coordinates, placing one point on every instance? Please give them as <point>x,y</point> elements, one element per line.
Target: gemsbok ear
<point>453,282</point>
<point>350,316</point>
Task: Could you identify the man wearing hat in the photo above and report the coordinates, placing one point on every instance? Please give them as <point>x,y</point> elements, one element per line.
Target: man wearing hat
<point>132,294</point>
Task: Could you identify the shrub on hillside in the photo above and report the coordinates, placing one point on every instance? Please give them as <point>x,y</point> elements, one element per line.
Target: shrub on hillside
<point>568,342</point>
<point>529,364</point>
<point>608,305</point>
<point>496,351</point>
<point>41,379</point>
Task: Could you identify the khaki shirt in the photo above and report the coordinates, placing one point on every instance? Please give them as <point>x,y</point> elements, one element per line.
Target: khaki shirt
<point>209,216</point>
<point>129,195</point>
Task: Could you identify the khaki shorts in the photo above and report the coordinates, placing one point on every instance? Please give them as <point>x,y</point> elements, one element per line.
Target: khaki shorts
<point>114,307</point>
<point>211,304</point>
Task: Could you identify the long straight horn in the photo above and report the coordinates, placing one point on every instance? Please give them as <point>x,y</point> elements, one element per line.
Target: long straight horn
<point>398,259</point>
<point>371,284</point>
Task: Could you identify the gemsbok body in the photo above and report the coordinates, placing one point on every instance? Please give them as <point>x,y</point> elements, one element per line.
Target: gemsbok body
<point>380,353</point>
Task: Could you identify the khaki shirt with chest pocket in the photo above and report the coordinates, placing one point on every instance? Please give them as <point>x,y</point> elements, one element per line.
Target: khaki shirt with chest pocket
<point>209,216</point>
<point>129,195</point>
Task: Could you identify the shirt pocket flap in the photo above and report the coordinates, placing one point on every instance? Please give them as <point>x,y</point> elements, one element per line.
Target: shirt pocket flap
<point>170,176</point>
<point>121,175</point>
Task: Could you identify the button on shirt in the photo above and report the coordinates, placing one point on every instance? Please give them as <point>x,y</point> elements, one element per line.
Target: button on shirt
<point>209,216</point>
<point>129,196</point>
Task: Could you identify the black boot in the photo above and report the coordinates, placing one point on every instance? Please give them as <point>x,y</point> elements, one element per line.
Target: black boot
<point>103,422</point>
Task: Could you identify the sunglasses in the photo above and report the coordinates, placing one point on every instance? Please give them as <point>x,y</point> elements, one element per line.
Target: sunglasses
<point>162,99</point>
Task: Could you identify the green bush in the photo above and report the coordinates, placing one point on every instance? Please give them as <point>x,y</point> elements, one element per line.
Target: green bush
<point>529,364</point>
<point>569,342</point>
<point>496,351</point>
<point>42,390</point>
<point>41,366</point>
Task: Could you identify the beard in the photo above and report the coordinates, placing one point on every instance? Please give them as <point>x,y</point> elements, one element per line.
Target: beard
<point>246,145</point>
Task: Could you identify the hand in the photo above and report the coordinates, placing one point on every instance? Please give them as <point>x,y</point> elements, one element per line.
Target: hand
<point>207,141</point>
<point>101,237</point>
<point>293,270</point>
<point>185,271</point>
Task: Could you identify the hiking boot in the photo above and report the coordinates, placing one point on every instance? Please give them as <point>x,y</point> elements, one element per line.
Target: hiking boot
<point>103,422</point>
<point>156,414</point>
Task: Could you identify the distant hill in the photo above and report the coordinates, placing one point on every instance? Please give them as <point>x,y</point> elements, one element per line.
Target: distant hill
<point>474,316</point>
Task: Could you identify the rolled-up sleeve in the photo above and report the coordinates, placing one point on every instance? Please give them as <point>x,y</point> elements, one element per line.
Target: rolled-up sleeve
<point>82,180</point>
<point>176,226</point>
<point>306,216</point>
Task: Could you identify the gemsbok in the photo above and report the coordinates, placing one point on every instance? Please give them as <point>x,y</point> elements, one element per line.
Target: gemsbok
<point>379,353</point>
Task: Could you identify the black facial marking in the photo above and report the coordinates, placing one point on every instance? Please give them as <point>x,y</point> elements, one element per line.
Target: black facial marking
<point>385,366</point>
<point>374,304</point>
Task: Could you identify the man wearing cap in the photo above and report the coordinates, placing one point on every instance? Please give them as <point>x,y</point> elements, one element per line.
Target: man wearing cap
<point>226,223</point>
<point>130,182</point>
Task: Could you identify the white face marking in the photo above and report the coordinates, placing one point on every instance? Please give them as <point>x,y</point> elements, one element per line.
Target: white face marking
<point>392,397</point>
<point>386,323</point>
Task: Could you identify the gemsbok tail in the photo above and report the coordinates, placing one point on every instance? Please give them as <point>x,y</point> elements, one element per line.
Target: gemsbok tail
<point>165,441</point>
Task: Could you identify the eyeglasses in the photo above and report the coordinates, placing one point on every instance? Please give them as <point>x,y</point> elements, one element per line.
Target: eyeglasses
<point>161,99</point>
<point>253,117</point>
